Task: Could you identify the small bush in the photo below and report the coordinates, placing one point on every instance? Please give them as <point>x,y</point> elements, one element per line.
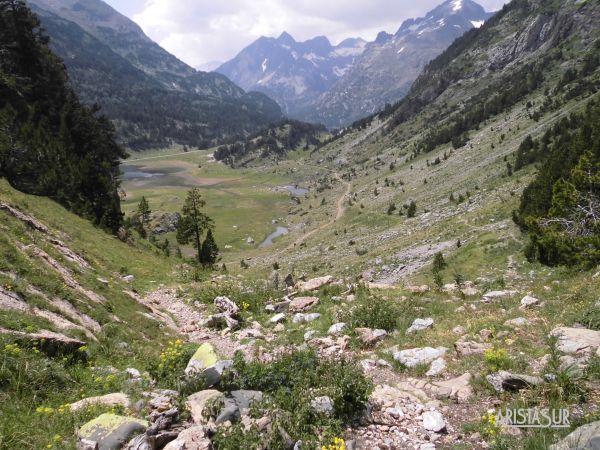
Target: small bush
<point>291,382</point>
<point>377,314</point>
<point>497,359</point>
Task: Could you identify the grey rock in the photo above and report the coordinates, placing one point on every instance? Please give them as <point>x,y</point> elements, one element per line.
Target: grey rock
<point>529,301</point>
<point>433,421</point>
<point>309,335</point>
<point>419,325</point>
<point>212,375</point>
<point>489,297</point>
<point>323,405</point>
<point>277,318</point>
<point>305,318</point>
<point>467,348</point>
<point>416,356</point>
<point>586,437</point>
<point>337,329</point>
<point>577,340</point>
<point>437,367</point>
<point>506,381</point>
<point>518,322</point>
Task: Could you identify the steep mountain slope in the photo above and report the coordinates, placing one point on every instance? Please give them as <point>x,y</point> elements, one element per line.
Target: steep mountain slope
<point>51,144</point>
<point>293,73</point>
<point>316,82</point>
<point>152,97</point>
<point>389,66</point>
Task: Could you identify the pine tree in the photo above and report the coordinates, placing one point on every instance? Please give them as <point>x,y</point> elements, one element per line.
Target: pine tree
<point>210,251</point>
<point>144,212</point>
<point>193,222</point>
<point>412,209</point>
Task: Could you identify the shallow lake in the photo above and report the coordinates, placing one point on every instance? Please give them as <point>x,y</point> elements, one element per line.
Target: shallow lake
<point>280,231</point>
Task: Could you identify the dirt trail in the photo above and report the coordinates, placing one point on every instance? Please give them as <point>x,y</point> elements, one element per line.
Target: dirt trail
<point>339,213</point>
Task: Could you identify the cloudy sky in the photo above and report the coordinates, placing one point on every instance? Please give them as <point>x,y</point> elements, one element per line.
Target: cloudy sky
<point>203,31</point>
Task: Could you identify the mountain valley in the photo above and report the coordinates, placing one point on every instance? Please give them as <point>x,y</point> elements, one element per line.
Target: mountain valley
<point>403,283</point>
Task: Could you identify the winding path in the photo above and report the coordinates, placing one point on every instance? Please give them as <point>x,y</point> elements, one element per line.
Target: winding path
<point>339,213</point>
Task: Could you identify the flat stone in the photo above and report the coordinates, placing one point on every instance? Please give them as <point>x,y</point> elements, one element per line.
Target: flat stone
<point>497,295</point>
<point>416,356</point>
<point>303,304</point>
<point>518,322</point>
<point>433,421</point>
<point>110,431</point>
<point>110,400</point>
<point>314,284</point>
<point>419,325</point>
<point>467,348</point>
<point>577,340</point>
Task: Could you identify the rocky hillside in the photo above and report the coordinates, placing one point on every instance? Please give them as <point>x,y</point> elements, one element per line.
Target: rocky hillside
<point>153,98</point>
<point>317,82</point>
<point>293,73</point>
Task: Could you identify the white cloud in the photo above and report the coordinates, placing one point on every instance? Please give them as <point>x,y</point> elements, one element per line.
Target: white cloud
<point>200,31</point>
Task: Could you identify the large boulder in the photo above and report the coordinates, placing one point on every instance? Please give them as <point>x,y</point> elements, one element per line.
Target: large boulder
<point>577,340</point>
<point>194,438</point>
<point>586,437</point>
<point>303,304</point>
<point>110,431</point>
<point>206,363</point>
<point>204,357</point>
<point>417,356</point>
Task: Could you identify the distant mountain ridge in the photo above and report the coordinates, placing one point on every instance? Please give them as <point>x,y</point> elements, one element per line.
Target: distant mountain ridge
<point>355,78</point>
<point>153,98</point>
<point>293,73</point>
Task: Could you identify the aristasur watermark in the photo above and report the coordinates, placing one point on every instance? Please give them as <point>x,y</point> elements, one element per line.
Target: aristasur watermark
<point>533,418</point>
